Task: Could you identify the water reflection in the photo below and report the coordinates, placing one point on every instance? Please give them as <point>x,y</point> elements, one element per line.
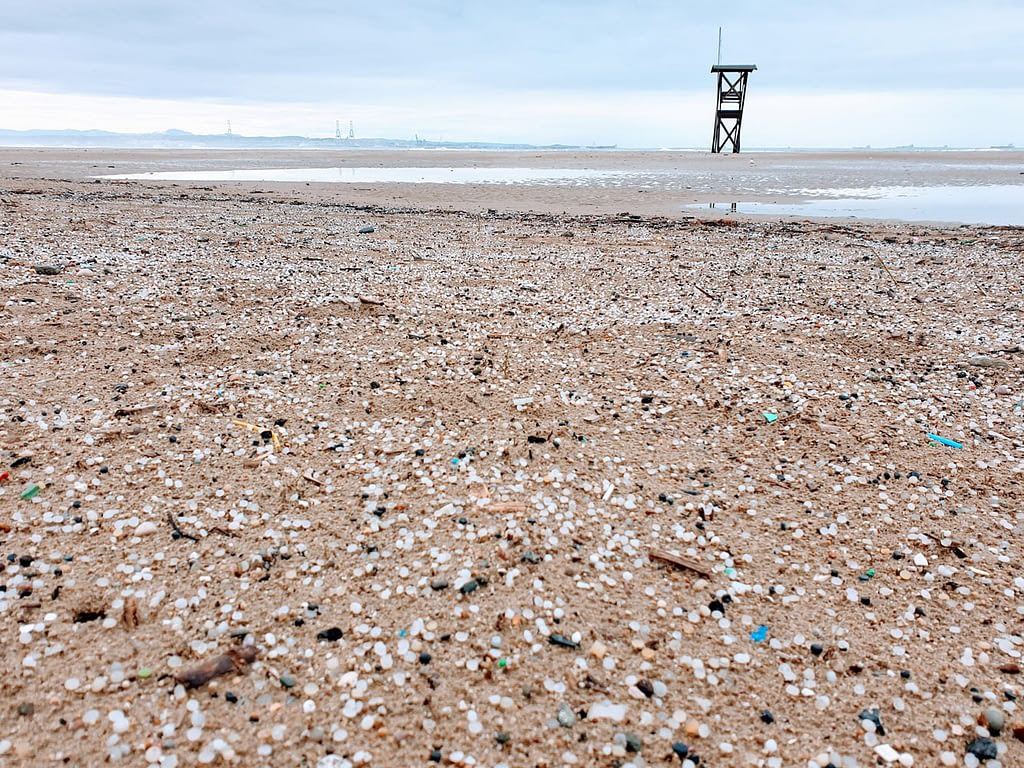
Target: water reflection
<point>999,204</point>
<point>732,206</point>
<point>994,204</point>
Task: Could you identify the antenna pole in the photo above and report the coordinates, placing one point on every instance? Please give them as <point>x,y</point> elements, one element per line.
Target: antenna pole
<point>719,45</point>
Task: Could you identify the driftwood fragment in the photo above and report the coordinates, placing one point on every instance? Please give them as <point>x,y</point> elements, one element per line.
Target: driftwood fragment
<point>234,660</point>
<point>121,412</point>
<point>680,562</point>
<point>130,614</point>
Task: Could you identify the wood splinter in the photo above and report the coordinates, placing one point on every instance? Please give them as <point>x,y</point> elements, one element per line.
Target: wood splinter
<point>234,660</point>
<point>680,562</point>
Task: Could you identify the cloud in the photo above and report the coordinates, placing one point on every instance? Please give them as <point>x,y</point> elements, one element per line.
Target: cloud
<point>623,66</point>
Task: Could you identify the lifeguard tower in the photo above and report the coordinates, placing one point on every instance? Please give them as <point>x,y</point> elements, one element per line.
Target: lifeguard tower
<point>732,90</point>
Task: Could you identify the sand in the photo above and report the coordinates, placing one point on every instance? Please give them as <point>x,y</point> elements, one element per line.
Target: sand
<point>497,484</point>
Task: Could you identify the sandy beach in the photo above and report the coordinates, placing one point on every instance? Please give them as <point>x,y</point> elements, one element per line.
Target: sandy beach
<point>404,475</point>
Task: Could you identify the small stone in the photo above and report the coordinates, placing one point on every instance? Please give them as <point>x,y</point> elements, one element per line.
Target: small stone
<point>887,753</point>
<point>598,650</point>
<point>605,710</point>
<point>502,737</point>
<point>331,635</point>
<point>983,749</point>
<point>367,230</point>
<point>435,756</point>
<point>680,750</point>
<point>425,658</point>
<point>48,269</point>
<point>470,586</point>
<point>920,560</point>
<point>530,557</point>
<point>981,361</point>
<point>993,719</point>
<point>646,688</point>
<point>288,681</point>
<point>563,641</point>
<point>438,584</point>
<point>767,717</point>
<point>633,743</point>
<point>26,709</point>
<point>873,716</point>
<point>565,716</point>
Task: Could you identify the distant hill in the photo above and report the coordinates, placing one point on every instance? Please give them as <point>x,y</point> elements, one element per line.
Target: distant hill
<point>174,138</point>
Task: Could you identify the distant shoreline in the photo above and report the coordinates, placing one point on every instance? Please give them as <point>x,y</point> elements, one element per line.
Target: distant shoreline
<point>86,139</point>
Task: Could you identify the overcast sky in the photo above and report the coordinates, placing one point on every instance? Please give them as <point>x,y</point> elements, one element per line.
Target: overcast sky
<point>633,73</point>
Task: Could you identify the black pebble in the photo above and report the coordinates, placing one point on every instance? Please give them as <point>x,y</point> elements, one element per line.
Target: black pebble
<point>874,716</point>
<point>469,586</point>
<point>173,438</point>
<point>563,641</point>
<point>716,605</point>
<point>230,697</point>
<point>331,635</point>
<point>767,717</point>
<point>816,649</point>
<point>983,749</point>
<point>104,469</point>
<point>425,658</point>
<point>905,674</point>
<point>435,756</point>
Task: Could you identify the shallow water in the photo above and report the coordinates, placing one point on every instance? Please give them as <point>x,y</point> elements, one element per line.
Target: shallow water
<point>993,204</point>
<point>997,204</point>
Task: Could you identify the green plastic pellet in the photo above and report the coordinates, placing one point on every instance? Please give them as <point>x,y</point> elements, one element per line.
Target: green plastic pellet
<point>29,492</point>
<point>502,663</point>
<point>871,572</point>
<point>144,672</point>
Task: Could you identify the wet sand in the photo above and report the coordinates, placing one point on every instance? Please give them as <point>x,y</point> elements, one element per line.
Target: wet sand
<point>494,484</point>
<point>703,178</point>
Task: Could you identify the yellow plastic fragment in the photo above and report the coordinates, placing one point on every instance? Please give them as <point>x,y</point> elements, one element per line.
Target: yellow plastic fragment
<point>275,440</point>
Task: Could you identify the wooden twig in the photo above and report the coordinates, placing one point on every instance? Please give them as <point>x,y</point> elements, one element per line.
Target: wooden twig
<point>890,274</point>
<point>680,562</point>
<point>177,530</point>
<point>713,298</point>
